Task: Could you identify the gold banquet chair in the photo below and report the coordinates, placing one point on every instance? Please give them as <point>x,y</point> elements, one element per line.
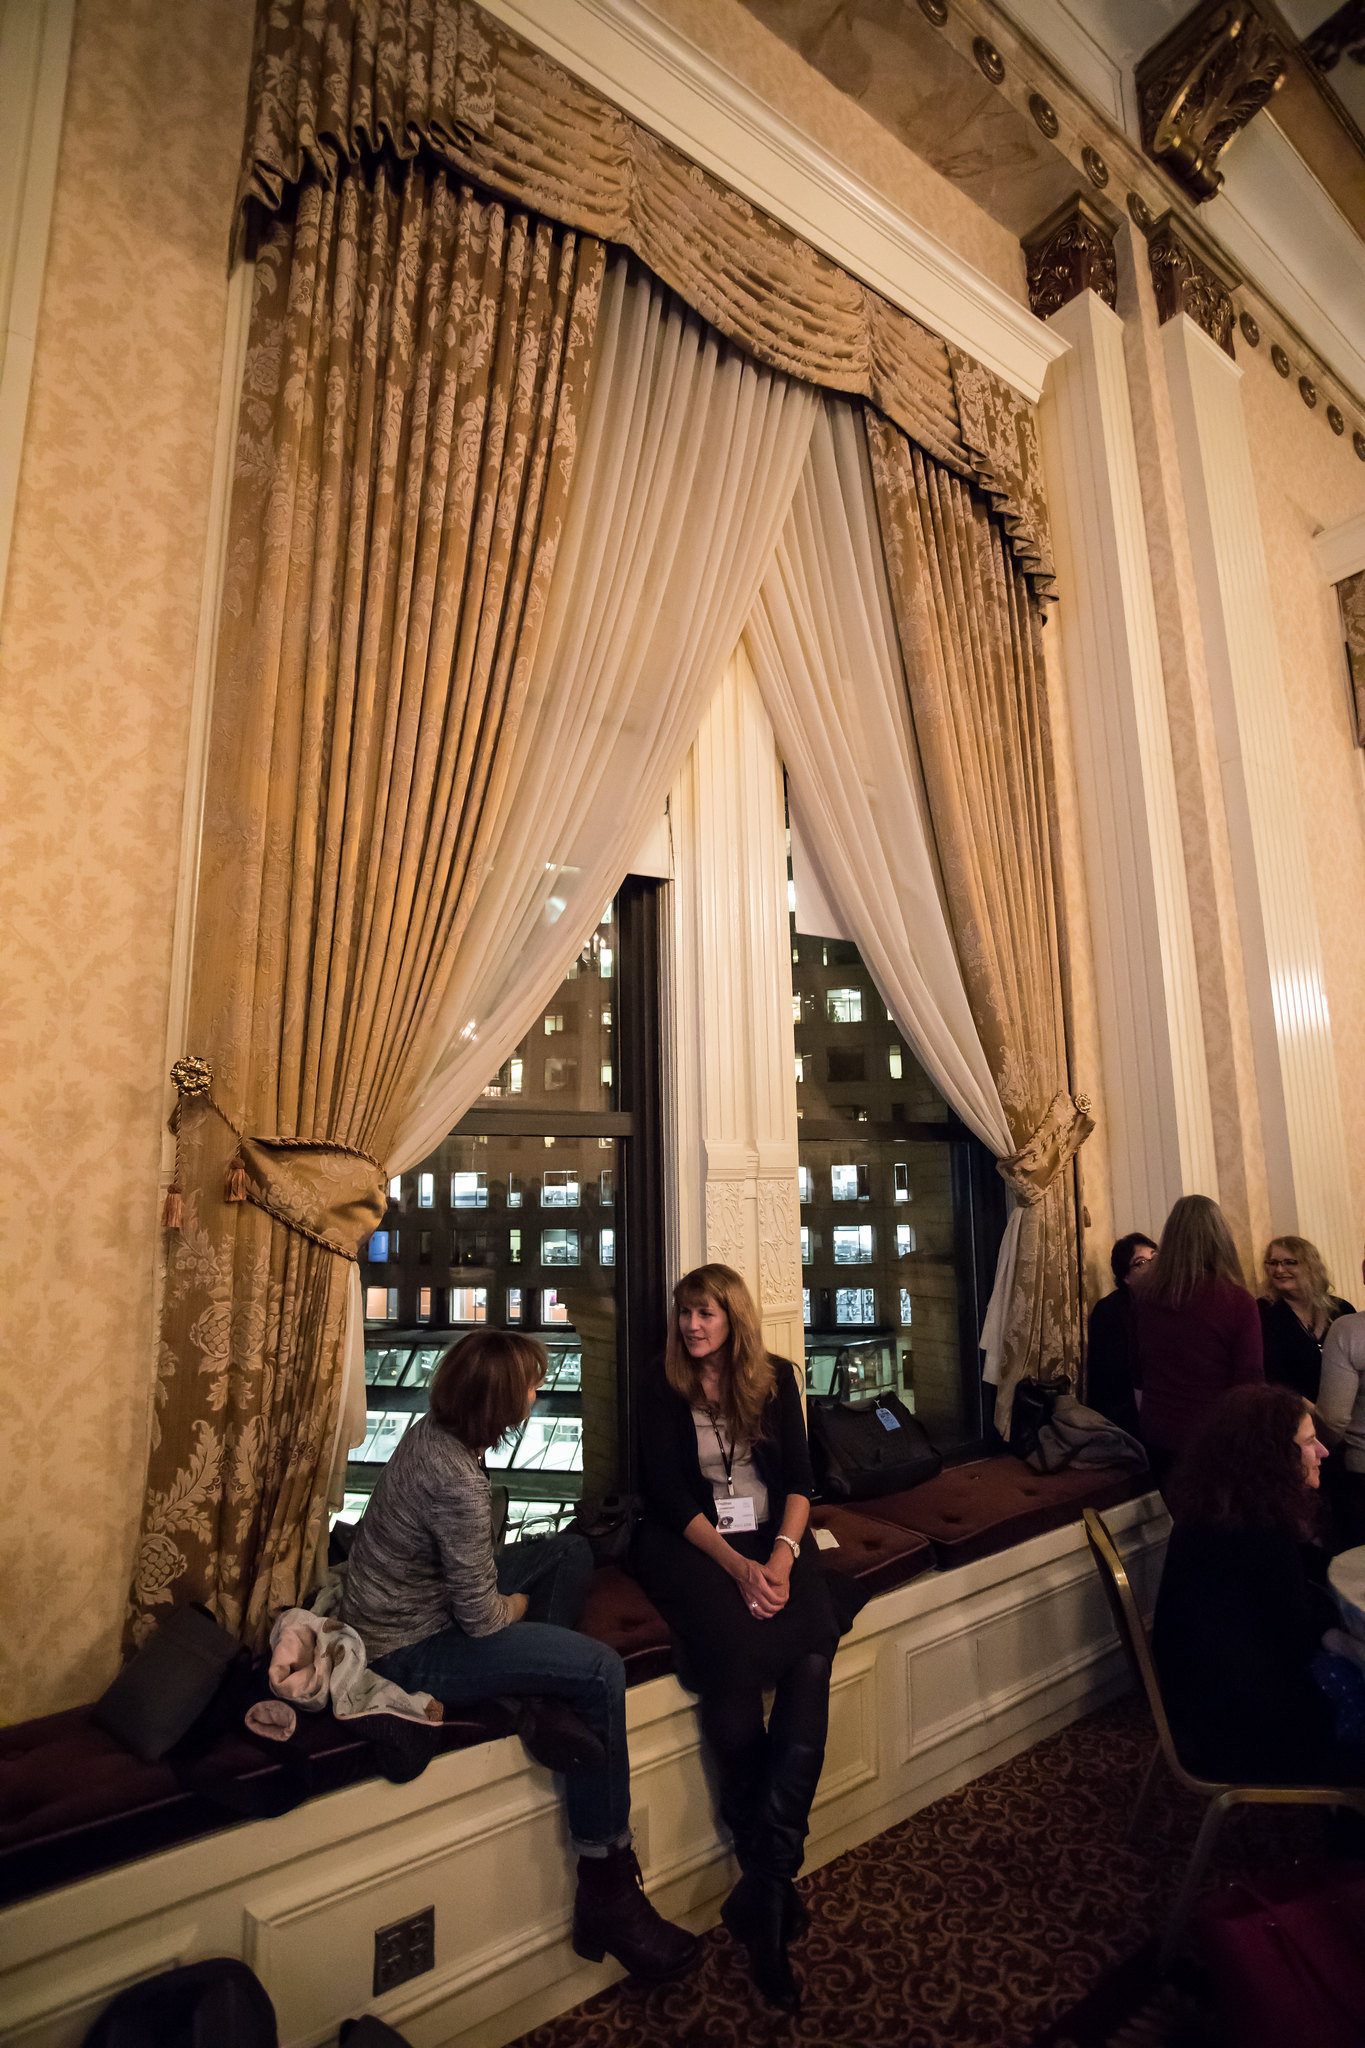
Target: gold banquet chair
<point>1221,1798</point>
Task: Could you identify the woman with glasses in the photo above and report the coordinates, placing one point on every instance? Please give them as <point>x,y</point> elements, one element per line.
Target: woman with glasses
<point>1241,1610</point>
<point>1297,1309</point>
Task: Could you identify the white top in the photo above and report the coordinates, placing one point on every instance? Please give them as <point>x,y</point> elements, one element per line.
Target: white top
<point>744,1479</point>
<point>1341,1393</point>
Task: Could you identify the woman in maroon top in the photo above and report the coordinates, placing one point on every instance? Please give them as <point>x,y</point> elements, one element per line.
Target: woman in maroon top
<point>1196,1331</point>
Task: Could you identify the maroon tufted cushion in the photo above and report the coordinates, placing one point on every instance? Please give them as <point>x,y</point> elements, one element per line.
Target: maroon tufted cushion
<point>877,1554</point>
<point>974,1510</point>
<point>620,1615</point>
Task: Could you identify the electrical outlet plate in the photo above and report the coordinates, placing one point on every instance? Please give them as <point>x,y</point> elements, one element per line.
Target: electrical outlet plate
<point>404,1949</point>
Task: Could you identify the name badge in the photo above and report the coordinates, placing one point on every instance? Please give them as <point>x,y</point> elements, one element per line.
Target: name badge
<point>735,1517</point>
<point>887,1419</point>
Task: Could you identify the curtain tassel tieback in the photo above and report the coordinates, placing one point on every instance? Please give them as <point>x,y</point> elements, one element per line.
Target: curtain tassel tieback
<point>1065,1125</point>
<point>330,1193</point>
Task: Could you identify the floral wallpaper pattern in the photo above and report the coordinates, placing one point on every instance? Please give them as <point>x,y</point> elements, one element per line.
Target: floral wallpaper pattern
<point>100,618</point>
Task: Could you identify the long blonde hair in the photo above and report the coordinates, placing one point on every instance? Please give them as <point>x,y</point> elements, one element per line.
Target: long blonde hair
<point>749,1379</point>
<point>1315,1272</point>
<point>1196,1246</point>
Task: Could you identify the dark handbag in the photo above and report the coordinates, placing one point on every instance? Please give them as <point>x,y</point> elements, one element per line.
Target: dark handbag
<point>1034,1401</point>
<point>1287,1957</point>
<point>608,1523</point>
<point>862,1452</point>
<point>167,1684</point>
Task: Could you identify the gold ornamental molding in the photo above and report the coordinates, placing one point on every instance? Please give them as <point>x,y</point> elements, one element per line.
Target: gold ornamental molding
<point>1071,252</point>
<point>1201,84</point>
<point>1190,277</point>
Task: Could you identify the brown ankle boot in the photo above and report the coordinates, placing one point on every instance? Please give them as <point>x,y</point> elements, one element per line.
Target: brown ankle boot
<point>612,1916</point>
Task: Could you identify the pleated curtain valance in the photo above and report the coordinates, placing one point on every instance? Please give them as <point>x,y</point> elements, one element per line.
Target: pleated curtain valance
<point>334,81</point>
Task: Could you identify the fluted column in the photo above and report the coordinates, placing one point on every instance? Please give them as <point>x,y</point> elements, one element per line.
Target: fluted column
<point>1155,1105</point>
<point>1296,1068</point>
<point>733,1106</point>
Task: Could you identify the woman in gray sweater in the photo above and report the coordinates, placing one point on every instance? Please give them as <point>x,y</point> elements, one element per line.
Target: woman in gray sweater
<point>438,1613</point>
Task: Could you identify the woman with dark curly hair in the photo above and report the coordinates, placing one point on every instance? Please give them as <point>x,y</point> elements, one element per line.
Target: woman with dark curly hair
<point>1239,1617</point>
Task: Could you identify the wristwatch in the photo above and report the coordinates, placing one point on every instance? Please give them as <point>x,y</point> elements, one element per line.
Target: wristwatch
<point>791,1543</point>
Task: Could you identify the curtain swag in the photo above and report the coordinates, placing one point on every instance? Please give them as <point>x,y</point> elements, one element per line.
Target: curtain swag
<point>335,80</point>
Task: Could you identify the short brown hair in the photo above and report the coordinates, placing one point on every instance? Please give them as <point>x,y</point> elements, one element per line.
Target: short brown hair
<point>479,1390</point>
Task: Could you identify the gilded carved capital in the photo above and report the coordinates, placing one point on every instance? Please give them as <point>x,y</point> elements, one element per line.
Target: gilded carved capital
<point>1072,252</point>
<point>1201,84</point>
<point>1188,278</point>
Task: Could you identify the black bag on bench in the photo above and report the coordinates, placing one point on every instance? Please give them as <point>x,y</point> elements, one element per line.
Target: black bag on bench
<point>862,1452</point>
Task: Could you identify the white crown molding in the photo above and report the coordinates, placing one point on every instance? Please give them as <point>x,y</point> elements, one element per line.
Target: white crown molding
<point>1340,550</point>
<point>682,94</point>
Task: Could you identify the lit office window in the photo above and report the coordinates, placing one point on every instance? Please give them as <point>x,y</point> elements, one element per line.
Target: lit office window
<point>378,1253</point>
<point>381,1304</point>
<point>514,1246</point>
<point>396,1187</point>
<point>468,1304</point>
<point>554,1022</point>
<point>469,1190</point>
<point>514,1304</point>
<point>905,1240</point>
<point>844,1005</point>
<point>902,1188</point>
<point>552,1309</point>
<point>805,1244</point>
<point>853,1244</point>
<point>907,1314</point>
<point>606,1073</point>
<point>559,1188</point>
<point>791,894</point>
<point>854,1305</point>
<point>559,1247</point>
<point>796,1009</point>
<point>424,1298</point>
<point>604,962</point>
<point>514,1192</point>
<point>426,1190</point>
<point>805,1306</point>
<point>800,1068</point>
<point>848,1183</point>
<point>805,1184</point>
<point>893,1061</point>
<point>608,1185</point>
<point>606,1247</point>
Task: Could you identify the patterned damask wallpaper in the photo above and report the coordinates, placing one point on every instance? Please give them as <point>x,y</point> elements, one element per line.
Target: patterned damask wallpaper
<point>100,617</point>
<point>1307,479</point>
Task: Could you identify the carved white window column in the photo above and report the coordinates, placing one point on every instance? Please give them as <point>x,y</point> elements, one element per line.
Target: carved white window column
<point>1296,1069</point>
<point>732,1099</point>
<point>1156,1086</point>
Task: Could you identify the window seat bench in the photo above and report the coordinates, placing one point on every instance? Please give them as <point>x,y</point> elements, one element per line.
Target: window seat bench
<point>74,1802</point>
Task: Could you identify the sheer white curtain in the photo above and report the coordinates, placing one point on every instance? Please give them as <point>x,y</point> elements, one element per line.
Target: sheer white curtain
<point>824,649</point>
<point>688,457</point>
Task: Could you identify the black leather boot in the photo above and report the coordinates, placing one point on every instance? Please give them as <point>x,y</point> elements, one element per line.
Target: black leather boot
<point>743,1789</point>
<point>762,1917</point>
<point>612,1916</point>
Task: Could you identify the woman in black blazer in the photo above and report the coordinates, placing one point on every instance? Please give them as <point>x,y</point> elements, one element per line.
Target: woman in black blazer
<point>727,1484</point>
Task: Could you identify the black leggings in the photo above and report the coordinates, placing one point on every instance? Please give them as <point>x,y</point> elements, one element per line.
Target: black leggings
<point>732,1717</point>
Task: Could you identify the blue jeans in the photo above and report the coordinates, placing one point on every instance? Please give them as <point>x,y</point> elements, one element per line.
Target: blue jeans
<point>544,1656</point>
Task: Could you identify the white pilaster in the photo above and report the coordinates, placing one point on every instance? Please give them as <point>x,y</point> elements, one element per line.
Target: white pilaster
<point>1156,1087</point>
<point>1296,1073</point>
<point>733,1099</point>
<point>35,54</point>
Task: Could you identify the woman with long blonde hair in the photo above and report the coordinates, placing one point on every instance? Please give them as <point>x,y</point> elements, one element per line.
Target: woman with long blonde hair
<point>727,1484</point>
<point>1195,1329</point>
<point>1297,1308</point>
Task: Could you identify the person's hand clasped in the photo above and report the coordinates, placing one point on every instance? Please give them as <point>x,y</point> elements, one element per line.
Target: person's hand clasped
<point>758,1593</point>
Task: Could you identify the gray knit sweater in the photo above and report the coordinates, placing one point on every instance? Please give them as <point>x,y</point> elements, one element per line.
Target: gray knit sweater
<point>423,1554</point>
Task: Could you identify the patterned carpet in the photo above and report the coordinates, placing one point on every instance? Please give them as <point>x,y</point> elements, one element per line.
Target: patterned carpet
<point>976,1924</point>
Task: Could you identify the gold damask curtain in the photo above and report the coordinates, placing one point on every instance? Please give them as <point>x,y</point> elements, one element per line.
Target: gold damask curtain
<point>417,364</point>
<point>969,637</point>
<point>334,80</point>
